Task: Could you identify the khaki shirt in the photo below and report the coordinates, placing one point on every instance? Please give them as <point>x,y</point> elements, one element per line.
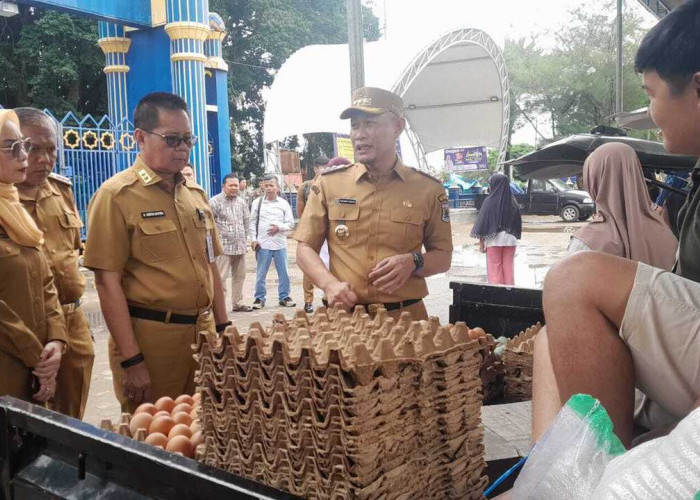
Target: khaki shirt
<point>55,214</point>
<point>30,315</point>
<point>162,243</point>
<point>396,214</point>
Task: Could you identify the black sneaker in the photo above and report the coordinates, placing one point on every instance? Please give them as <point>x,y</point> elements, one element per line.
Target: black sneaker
<point>258,304</point>
<point>308,307</point>
<point>286,302</point>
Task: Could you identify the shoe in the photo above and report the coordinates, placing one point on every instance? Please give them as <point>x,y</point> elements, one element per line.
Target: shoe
<point>287,302</point>
<point>308,307</point>
<point>258,304</point>
<point>241,308</point>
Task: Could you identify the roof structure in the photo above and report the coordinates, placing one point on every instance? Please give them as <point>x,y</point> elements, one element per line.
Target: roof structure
<point>660,7</point>
<point>455,91</point>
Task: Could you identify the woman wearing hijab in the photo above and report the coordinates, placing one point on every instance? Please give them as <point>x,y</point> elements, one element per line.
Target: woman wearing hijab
<point>498,228</point>
<point>625,223</point>
<point>32,329</point>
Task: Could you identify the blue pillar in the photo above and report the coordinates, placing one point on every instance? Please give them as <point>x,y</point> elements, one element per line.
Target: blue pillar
<point>218,101</point>
<point>115,45</point>
<point>188,28</point>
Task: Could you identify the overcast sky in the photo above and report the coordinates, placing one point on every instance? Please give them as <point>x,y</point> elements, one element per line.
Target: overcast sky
<point>427,19</point>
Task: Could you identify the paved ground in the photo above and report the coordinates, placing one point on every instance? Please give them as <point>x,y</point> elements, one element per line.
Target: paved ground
<point>543,242</point>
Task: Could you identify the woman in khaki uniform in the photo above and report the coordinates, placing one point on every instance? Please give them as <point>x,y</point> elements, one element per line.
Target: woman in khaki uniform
<point>32,328</point>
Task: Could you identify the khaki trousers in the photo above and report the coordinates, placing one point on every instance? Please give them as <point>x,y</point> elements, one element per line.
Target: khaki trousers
<point>167,349</point>
<point>235,266</point>
<point>308,289</point>
<point>73,379</point>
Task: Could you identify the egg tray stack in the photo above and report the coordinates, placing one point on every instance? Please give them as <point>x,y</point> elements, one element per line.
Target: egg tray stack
<point>492,371</point>
<point>342,406</point>
<point>517,359</point>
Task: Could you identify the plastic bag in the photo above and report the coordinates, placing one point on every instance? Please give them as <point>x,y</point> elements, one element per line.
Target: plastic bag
<point>667,467</point>
<point>570,458</point>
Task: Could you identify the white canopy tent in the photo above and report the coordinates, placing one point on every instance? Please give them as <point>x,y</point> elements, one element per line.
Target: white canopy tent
<point>455,92</point>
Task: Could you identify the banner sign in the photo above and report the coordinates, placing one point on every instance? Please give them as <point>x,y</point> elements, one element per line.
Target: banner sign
<point>342,146</point>
<point>466,159</point>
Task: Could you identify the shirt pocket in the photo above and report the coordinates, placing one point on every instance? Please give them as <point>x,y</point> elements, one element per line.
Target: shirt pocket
<point>344,224</point>
<point>70,225</point>
<point>407,228</point>
<point>203,224</point>
<point>157,241</point>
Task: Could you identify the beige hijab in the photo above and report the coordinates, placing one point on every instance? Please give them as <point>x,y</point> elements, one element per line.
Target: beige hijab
<point>14,219</point>
<point>625,223</point>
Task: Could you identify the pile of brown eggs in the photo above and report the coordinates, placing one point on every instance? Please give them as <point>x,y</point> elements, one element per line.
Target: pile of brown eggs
<point>170,424</point>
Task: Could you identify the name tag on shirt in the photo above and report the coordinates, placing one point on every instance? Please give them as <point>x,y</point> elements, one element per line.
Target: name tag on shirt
<point>210,246</point>
<point>346,201</point>
<point>153,214</point>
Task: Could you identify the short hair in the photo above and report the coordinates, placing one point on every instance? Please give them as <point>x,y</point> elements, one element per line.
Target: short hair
<point>227,177</point>
<point>672,47</point>
<point>321,161</point>
<point>269,177</point>
<point>34,117</point>
<point>147,113</point>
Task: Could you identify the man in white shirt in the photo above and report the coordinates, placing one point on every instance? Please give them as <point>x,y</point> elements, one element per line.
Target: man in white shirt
<point>270,220</point>
<point>232,217</point>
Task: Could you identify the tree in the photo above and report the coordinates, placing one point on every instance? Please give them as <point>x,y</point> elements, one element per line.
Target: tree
<point>573,84</point>
<point>51,60</point>
<point>262,34</point>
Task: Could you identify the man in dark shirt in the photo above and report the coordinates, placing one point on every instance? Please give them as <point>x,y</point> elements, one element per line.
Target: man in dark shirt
<point>614,324</point>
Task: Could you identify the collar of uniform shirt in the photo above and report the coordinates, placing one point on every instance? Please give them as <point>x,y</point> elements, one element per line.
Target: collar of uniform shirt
<point>45,190</point>
<point>399,168</point>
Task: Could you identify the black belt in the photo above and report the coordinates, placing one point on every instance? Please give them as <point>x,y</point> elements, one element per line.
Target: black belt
<point>389,306</point>
<point>162,316</point>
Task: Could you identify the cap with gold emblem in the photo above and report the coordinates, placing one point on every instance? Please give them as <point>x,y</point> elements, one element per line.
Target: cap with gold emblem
<point>374,101</point>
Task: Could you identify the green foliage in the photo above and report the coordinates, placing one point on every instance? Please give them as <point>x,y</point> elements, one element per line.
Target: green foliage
<point>574,83</point>
<point>51,60</point>
<point>262,34</point>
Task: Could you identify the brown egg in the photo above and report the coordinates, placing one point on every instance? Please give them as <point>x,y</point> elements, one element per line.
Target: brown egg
<point>149,408</point>
<point>165,403</point>
<point>162,425</point>
<point>182,418</point>
<point>140,421</point>
<point>195,426</point>
<point>161,413</point>
<point>185,398</point>
<point>197,438</point>
<point>182,408</point>
<point>197,397</point>
<point>180,430</point>
<point>476,333</point>
<point>181,444</point>
<point>157,439</point>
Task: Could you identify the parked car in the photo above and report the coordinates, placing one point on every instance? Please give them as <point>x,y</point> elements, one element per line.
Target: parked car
<point>551,197</point>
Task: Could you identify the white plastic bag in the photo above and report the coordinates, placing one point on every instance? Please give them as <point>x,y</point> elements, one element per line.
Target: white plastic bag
<point>569,460</point>
<point>667,467</point>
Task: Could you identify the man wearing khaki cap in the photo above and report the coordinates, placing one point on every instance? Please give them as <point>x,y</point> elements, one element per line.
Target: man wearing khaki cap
<point>387,225</point>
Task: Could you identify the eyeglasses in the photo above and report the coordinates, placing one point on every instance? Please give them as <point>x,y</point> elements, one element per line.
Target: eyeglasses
<point>19,147</point>
<point>173,140</point>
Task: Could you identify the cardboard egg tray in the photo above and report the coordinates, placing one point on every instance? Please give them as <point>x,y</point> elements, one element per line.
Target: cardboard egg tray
<point>517,359</point>
<point>492,371</point>
<point>340,405</point>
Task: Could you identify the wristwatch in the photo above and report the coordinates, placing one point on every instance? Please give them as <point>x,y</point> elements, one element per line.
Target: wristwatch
<point>417,260</point>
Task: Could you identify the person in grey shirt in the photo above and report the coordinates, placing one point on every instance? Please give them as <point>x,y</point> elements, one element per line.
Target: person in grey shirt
<point>232,217</point>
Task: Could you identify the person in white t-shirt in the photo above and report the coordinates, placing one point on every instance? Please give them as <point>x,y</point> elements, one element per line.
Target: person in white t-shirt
<point>498,228</point>
<point>271,219</point>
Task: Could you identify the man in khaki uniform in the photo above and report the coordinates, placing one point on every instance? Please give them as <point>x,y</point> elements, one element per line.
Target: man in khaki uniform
<point>377,215</point>
<point>48,198</point>
<point>302,197</point>
<point>152,242</point>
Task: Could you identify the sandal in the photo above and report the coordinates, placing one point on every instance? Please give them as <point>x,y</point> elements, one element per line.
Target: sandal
<point>241,308</point>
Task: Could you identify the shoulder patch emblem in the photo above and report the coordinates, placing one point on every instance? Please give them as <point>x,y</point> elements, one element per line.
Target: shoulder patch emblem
<point>337,168</point>
<point>442,198</point>
<point>145,176</point>
<point>426,174</point>
<point>60,178</point>
<point>315,189</point>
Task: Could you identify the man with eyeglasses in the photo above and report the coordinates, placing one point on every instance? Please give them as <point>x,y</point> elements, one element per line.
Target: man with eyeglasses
<point>48,197</point>
<point>152,243</point>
